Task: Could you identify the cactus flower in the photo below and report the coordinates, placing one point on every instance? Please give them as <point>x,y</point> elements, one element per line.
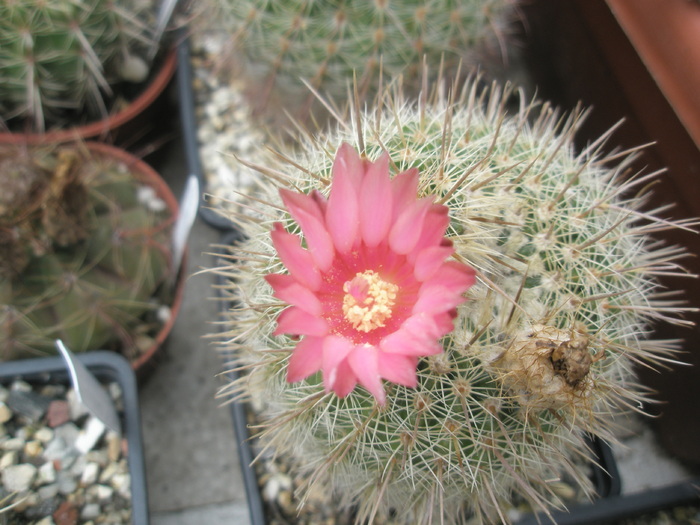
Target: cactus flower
<point>372,292</point>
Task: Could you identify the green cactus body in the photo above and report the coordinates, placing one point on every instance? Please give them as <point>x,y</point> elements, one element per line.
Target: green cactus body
<point>59,57</point>
<point>97,290</point>
<point>327,42</point>
<point>541,352</point>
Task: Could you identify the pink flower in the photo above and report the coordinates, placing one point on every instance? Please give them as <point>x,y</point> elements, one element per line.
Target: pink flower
<point>372,291</point>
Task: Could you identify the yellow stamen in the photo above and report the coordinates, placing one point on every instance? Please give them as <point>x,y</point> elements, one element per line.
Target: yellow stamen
<point>368,301</point>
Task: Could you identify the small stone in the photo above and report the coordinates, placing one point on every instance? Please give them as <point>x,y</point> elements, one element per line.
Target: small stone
<point>47,473</point>
<point>90,435</point>
<point>122,484</point>
<point>44,435</point>
<point>5,412</point>
<point>48,520</point>
<point>102,492</point>
<point>90,473</point>
<point>48,491</point>
<point>67,484</point>
<point>33,448</point>
<point>18,478</point>
<point>91,511</point>
<point>29,404</point>
<point>58,413</point>
<point>7,459</point>
<point>114,446</point>
<point>66,514</point>
<point>13,444</point>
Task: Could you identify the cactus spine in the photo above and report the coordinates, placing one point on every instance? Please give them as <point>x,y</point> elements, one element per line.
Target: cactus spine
<point>59,57</point>
<point>542,351</point>
<point>83,259</point>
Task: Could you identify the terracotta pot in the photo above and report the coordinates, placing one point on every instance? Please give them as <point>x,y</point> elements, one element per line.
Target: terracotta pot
<point>116,128</point>
<point>144,363</point>
<point>637,60</point>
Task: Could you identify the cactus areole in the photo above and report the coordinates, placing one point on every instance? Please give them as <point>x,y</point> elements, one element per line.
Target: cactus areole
<point>488,287</point>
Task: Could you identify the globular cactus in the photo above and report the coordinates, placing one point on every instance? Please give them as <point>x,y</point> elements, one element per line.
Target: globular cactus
<point>541,353</point>
<point>62,58</point>
<point>83,257</point>
<point>326,43</point>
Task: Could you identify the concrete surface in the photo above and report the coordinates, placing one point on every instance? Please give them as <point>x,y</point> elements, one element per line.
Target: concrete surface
<point>192,466</point>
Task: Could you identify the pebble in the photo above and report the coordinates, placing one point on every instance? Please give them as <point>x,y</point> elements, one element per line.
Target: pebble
<point>5,412</point>
<point>58,413</point>
<point>18,478</point>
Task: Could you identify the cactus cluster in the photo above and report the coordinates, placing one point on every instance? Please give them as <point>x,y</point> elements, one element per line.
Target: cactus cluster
<point>328,42</point>
<point>83,256</point>
<point>544,348</point>
<point>62,58</point>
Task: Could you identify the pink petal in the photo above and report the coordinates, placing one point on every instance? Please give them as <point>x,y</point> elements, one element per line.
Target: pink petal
<point>404,188</point>
<point>278,281</point>
<point>298,261</point>
<point>345,380</point>
<point>437,299</point>
<point>397,368</point>
<point>363,361</point>
<point>335,351</point>
<point>375,202</point>
<point>306,211</point>
<point>405,343</point>
<point>406,230</point>
<point>452,275</point>
<point>295,294</point>
<point>430,260</point>
<point>306,359</point>
<point>434,226</point>
<point>295,321</point>
<point>342,213</point>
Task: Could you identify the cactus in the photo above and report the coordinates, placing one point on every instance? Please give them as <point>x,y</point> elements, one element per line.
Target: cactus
<point>61,58</point>
<point>542,352</point>
<point>327,42</point>
<point>83,259</point>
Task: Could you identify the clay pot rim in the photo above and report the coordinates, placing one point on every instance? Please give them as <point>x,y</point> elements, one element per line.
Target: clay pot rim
<point>101,128</point>
<point>666,36</point>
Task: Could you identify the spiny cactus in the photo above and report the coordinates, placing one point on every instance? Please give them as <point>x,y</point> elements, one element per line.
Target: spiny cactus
<point>63,57</point>
<point>82,259</point>
<point>541,352</point>
<point>327,42</point>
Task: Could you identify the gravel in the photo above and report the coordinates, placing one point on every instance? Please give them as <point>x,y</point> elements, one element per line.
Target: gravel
<point>59,470</point>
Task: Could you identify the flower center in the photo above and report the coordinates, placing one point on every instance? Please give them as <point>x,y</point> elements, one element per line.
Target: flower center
<point>368,301</point>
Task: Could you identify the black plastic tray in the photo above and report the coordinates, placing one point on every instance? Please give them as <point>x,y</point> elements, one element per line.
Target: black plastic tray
<point>188,122</point>
<point>107,367</point>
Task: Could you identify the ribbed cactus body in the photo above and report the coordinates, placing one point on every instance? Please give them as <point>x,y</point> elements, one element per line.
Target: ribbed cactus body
<point>59,57</point>
<point>542,351</point>
<point>327,42</point>
<point>92,283</point>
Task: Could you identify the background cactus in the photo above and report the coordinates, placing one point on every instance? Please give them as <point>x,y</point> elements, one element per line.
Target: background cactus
<point>86,258</point>
<point>63,58</point>
<point>542,352</point>
<point>327,42</point>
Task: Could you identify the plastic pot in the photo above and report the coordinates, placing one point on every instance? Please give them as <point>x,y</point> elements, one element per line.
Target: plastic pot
<point>188,120</point>
<point>107,367</point>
